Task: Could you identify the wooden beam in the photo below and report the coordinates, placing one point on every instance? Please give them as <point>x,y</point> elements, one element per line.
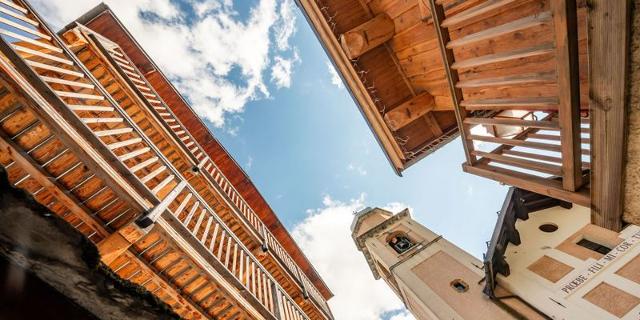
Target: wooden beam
<point>521,163</point>
<point>518,143</point>
<point>547,124</point>
<point>476,11</point>
<point>609,28</point>
<point>565,20</point>
<point>542,49</point>
<point>529,103</point>
<point>409,111</point>
<point>119,242</point>
<point>437,12</point>
<point>367,36</point>
<point>543,186</point>
<point>511,80</point>
<point>513,26</point>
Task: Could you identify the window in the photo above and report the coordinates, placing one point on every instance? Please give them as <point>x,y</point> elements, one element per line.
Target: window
<point>459,285</point>
<point>548,227</point>
<point>400,242</point>
<point>594,246</point>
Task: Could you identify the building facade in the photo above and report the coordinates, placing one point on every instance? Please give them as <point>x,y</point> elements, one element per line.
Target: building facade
<point>546,260</point>
<point>522,82</point>
<point>93,131</point>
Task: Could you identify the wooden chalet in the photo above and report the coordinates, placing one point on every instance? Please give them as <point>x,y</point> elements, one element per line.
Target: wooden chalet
<point>92,129</point>
<point>537,97</point>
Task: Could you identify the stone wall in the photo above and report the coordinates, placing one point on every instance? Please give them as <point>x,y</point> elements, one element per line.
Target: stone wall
<point>39,244</point>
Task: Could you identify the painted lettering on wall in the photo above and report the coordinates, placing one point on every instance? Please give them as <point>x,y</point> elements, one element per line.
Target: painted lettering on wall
<point>593,269</point>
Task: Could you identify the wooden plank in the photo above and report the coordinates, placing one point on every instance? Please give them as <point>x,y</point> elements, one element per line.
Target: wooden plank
<point>547,125</point>
<point>54,68</point>
<point>113,132</point>
<point>555,138</point>
<point>77,107</point>
<point>68,83</point>
<point>539,50</point>
<point>518,143</point>
<point>84,96</point>
<point>476,11</point>
<point>23,28</point>
<point>547,187</point>
<point>409,111</point>
<point>18,16</point>
<point>521,163</point>
<point>452,77</point>
<point>42,54</point>
<point>11,4</point>
<point>609,28</point>
<point>513,26</point>
<point>511,80</point>
<point>530,155</point>
<point>102,120</point>
<point>565,22</point>
<point>532,103</point>
<point>125,143</point>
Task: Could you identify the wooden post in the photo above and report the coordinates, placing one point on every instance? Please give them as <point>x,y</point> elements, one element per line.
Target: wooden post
<point>609,28</point>
<point>367,36</point>
<point>277,301</point>
<point>565,20</point>
<point>409,111</point>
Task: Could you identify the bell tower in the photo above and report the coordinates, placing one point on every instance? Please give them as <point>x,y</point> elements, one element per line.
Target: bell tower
<point>434,278</point>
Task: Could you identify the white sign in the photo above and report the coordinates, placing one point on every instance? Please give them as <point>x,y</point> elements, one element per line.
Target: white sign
<point>593,269</point>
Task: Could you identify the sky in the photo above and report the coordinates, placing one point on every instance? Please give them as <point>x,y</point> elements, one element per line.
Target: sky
<point>258,76</point>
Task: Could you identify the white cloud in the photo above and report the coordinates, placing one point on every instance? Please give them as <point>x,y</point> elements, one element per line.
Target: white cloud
<point>218,60</point>
<point>403,316</point>
<point>357,168</point>
<point>325,237</point>
<point>335,78</point>
<point>282,69</point>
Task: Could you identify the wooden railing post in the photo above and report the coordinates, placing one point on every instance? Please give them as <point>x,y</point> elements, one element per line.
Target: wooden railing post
<point>154,214</point>
<point>277,302</point>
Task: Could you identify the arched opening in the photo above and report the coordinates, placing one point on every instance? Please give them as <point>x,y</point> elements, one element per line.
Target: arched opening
<point>400,242</point>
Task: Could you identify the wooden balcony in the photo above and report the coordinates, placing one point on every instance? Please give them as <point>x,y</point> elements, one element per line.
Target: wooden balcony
<point>517,71</point>
<point>82,149</point>
<point>108,62</point>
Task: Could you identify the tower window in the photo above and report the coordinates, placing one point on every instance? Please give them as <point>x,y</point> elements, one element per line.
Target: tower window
<point>593,246</point>
<point>459,285</point>
<point>400,243</point>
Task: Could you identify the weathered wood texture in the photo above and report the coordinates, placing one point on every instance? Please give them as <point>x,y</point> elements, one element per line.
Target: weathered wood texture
<point>609,29</point>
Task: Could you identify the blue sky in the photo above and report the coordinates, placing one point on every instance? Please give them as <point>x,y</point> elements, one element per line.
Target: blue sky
<point>256,73</point>
<point>310,140</point>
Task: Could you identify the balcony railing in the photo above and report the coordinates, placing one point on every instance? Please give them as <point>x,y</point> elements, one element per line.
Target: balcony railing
<point>530,88</point>
<point>212,173</point>
<point>56,73</point>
